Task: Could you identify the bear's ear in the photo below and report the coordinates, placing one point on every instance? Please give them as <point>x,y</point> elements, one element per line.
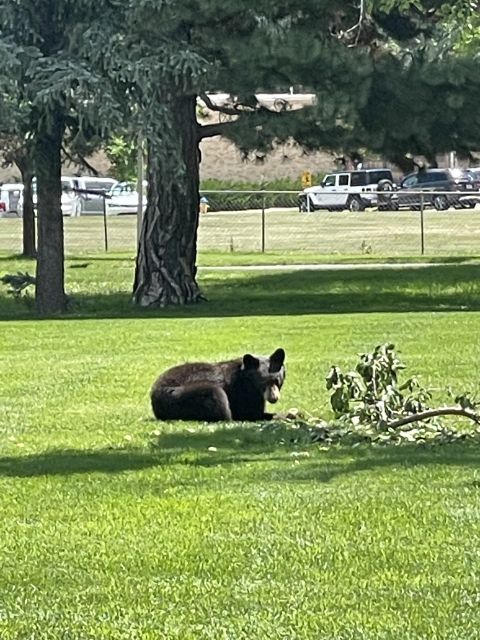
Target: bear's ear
<point>276,360</point>
<point>250,362</point>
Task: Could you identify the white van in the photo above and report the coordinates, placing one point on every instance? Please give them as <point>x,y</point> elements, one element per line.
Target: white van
<point>11,198</point>
<point>76,201</point>
<point>84,202</point>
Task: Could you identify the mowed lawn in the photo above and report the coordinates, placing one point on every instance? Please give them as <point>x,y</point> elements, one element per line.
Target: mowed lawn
<point>374,234</point>
<point>115,526</point>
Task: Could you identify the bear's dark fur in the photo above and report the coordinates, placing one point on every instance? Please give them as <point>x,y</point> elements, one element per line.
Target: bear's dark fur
<point>232,390</point>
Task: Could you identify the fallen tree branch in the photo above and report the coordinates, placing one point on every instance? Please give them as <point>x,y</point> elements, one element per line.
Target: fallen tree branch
<point>432,413</point>
<point>18,282</point>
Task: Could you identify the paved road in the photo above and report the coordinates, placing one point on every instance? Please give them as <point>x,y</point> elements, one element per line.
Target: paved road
<point>327,267</point>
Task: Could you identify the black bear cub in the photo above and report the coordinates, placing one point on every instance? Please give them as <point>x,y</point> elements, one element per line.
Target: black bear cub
<point>232,390</point>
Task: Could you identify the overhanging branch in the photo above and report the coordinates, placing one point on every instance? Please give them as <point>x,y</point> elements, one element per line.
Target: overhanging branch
<point>211,130</point>
<point>79,159</point>
<point>229,110</point>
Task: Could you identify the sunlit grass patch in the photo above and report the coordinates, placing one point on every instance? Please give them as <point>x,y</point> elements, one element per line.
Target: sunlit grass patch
<point>117,526</point>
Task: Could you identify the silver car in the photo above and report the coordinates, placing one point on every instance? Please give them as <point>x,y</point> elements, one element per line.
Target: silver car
<point>87,194</point>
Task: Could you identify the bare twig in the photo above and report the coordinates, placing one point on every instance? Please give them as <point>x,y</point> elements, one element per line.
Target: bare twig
<point>358,26</point>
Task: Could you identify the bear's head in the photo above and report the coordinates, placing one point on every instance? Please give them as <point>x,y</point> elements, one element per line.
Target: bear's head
<point>267,373</point>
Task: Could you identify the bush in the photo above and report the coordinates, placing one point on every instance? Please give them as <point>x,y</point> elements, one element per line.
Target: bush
<point>242,201</point>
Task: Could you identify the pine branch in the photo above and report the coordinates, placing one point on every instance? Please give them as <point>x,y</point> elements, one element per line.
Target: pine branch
<point>79,159</point>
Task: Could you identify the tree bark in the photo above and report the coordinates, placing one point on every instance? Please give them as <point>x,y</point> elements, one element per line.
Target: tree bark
<point>166,258</point>
<point>28,219</point>
<point>50,276</point>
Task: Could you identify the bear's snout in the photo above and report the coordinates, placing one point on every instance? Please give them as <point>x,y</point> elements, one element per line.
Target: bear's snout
<point>272,394</point>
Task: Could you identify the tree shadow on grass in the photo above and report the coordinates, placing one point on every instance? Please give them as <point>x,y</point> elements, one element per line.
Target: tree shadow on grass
<point>284,458</point>
<point>72,461</point>
<point>300,292</point>
<point>278,442</point>
<point>345,461</point>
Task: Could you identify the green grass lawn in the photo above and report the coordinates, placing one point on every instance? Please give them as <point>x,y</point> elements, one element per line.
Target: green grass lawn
<point>115,526</point>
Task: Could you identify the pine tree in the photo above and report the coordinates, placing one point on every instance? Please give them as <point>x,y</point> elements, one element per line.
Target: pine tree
<point>185,49</point>
<point>45,48</point>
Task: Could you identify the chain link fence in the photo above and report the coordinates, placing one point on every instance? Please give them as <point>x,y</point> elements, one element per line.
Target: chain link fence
<point>264,221</point>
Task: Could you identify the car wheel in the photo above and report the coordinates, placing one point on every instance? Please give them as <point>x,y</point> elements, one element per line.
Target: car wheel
<point>440,203</point>
<point>385,185</point>
<point>355,204</point>
<point>306,205</point>
<point>468,204</point>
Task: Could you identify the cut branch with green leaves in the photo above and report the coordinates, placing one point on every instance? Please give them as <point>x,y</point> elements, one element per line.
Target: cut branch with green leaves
<point>372,395</point>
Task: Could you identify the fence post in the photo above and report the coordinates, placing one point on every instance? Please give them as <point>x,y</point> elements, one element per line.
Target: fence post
<point>263,223</point>
<point>422,228</point>
<point>105,229</point>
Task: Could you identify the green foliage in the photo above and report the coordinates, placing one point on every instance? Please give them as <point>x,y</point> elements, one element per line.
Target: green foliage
<point>122,156</point>
<point>371,394</point>
<point>240,201</point>
<point>371,399</point>
<point>279,184</point>
<point>19,283</point>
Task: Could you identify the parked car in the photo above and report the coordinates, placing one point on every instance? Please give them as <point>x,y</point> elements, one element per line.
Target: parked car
<point>475,174</point>
<point>430,181</point>
<point>122,198</point>
<point>11,197</point>
<point>76,199</point>
<point>88,194</point>
<point>353,190</point>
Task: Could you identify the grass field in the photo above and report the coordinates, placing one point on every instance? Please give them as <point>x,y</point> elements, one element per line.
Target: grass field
<point>117,527</point>
<point>370,233</point>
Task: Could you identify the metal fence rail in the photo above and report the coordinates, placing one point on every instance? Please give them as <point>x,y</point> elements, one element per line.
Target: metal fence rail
<point>257,221</point>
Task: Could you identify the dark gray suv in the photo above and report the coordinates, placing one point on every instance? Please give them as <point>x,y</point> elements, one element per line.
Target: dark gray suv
<point>432,180</point>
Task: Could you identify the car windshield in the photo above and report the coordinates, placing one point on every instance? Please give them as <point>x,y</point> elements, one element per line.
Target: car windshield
<point>96,185</point>
<point>128,187</point>
<point>409,181</point>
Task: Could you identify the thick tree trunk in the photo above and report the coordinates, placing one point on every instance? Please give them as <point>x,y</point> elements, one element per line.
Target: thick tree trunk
<point>50,292</point>
<point>28,221</point>
<point>166,270</point>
